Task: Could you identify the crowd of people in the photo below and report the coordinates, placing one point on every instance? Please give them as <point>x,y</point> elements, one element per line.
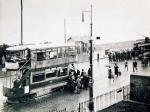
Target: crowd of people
<point>118,56</point>
<point>121,55</point>
<point>78,80</point>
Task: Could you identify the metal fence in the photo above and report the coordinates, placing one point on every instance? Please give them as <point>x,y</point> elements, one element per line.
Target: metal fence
<point>105,100</point>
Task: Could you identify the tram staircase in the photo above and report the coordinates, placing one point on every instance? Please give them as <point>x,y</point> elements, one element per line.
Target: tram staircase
<point>25,73</point>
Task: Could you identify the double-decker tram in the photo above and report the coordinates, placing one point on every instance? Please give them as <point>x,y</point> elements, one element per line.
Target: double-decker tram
<point>35,70</point>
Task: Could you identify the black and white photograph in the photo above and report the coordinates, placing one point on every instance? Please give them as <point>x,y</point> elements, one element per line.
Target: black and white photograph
<point>74,55</point>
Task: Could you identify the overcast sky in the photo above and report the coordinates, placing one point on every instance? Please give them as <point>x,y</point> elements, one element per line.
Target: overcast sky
<point>43,20</point>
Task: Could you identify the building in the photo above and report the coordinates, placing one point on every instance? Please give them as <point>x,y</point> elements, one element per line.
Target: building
<point>81,41</point>
<point>82,46</point>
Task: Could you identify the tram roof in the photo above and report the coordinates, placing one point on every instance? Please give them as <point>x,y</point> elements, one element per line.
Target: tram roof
<point>146,44</point>
<point>37,46</point>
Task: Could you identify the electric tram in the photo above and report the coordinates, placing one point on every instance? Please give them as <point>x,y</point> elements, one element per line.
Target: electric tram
<point>36,70</point>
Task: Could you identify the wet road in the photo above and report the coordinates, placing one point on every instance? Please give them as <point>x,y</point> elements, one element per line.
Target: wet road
<point>69,100</point>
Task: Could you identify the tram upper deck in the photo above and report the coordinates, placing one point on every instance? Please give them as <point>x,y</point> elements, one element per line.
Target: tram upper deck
<point>41,56</point>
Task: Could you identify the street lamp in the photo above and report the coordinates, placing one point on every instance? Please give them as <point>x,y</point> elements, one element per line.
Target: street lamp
<point>21,43</point>
<point>91,103</point>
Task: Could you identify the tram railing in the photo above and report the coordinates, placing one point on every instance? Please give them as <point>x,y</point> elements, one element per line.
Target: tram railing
<point>22,66</point>
<point>9,77</point>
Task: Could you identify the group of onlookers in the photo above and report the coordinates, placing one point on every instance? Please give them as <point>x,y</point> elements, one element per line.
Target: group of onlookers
<point>77,80</point>
<point>121,55</point>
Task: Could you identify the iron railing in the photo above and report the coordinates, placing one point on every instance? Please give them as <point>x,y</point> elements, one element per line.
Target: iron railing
<point>105,100</point>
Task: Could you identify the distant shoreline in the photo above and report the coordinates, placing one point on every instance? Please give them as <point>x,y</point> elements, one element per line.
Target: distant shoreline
<point>116,45</point>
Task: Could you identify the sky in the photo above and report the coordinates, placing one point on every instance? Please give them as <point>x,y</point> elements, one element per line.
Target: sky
<point>43,20</point>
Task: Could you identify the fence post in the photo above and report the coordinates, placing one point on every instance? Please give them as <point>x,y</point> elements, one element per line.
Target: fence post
<point>110,97</point>
<point>79,107</point>
<point>128,92</point>
<point>123,93</point>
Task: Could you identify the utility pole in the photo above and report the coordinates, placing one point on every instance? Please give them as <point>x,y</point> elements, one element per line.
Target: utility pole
<point>64,30</point>
<point>21,23</point>
<point>91,103</point>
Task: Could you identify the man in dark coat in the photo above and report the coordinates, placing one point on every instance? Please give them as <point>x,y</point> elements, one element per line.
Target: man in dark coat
<point>134,65</point>
<point>116,69</point>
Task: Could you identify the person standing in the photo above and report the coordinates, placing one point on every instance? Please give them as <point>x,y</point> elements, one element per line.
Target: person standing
<point>97,56</point>
<point>73,83</point>
<point>72,67</point>
<point>89,72</point>
<point>126,65</point>
<point>86,82</point>
<point>116,69</point>
<point>82,78</point>
<point>78,84</point>
<point>110,57</point>
<point>77,74</point>
<point>134,65</point>
<point>82,73</point>
<point>110,73</point>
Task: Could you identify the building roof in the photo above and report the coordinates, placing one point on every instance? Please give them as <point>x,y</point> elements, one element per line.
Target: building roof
<point>37,47</point>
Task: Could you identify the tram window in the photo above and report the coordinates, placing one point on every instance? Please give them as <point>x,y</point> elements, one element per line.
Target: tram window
<point>64,52</point>
<point>38,77</point>
<point>12,55</point>
<point>48,75</point>
<point>53,54</point>
<point>71,48</point>
<point>59,52</point>
<point>72,51</point>
<point>41,56</point>
<point>64,72</point>
<point>78,50</point>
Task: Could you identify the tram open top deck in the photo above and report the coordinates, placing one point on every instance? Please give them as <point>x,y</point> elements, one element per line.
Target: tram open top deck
<point>38,46</point>
<point>39,52</point>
